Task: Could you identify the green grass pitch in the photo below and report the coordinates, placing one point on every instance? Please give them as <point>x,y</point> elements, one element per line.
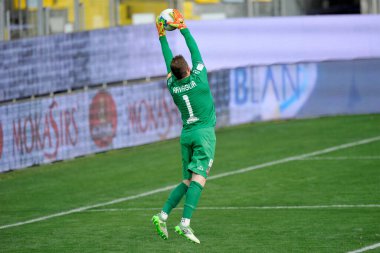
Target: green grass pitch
<point>328,202</point>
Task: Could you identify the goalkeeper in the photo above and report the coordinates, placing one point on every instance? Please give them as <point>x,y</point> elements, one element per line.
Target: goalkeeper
<point>191,93</point>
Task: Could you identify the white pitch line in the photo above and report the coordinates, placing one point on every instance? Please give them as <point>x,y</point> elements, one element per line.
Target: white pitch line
<point>84,208</point>
<point>343,158</point>
<point>299,157</point>
<point>241,208</point>
<point>371,247</point>
<point>236,172</point>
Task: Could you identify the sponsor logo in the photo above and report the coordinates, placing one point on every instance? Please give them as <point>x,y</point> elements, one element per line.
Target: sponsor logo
<point>45,129</point>
<point>270,92</point>
<point>103,119</point>
<point>209,166</point>
<point>200,66</point>
<point>198,69</point>
<point>210,163</point>
<point>152,113</point>
<point>1,140</point>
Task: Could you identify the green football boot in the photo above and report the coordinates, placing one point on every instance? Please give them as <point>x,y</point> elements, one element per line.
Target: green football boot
<point>186,232</point>
<point>160,226</point>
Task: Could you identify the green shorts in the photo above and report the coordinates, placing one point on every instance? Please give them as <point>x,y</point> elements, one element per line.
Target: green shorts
<point>198,150</point>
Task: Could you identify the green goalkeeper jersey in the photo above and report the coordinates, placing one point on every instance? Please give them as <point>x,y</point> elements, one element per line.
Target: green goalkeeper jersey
<point>192,95</point>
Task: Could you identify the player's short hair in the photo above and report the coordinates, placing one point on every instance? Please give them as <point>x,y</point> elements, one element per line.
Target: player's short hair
<point>179,67</point>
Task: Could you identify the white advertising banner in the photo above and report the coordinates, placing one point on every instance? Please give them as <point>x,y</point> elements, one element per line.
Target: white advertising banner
<point>67,126</point>
<point>42,131</point>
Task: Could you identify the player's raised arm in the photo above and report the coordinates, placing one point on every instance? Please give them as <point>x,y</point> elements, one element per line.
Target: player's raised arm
<point>179,23</point>
<point>168,55</point>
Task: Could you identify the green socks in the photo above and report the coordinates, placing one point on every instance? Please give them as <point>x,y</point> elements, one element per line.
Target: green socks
<point>192,197</point>
<point>175,197</point>
<point>193,193</point>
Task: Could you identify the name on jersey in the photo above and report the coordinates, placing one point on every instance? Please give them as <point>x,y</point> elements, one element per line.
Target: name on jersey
<point>185,87</point>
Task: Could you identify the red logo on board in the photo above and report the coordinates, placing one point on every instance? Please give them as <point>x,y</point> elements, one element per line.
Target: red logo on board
<point>103,119</point>
<point>1,140</point>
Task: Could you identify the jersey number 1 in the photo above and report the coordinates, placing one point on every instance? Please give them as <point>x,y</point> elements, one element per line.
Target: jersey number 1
<point>192,118</point>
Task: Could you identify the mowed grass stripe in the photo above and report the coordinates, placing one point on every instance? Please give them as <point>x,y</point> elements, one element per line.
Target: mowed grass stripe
<point>221,175</point>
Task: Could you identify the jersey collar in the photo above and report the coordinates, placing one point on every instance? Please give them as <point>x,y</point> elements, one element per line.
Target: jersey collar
<point>184,80</point>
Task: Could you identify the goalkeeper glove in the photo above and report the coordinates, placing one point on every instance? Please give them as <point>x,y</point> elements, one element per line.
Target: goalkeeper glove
<point>160,26</point>
<point>179,21</point>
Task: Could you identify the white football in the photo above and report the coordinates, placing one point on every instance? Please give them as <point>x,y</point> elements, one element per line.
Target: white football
<point>166,17</point>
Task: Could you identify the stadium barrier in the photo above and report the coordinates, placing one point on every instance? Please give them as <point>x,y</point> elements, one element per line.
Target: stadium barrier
<point>43,65</point>
<point>69,125</point>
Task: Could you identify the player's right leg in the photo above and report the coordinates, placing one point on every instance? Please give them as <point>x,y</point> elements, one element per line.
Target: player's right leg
<point>159,220</point>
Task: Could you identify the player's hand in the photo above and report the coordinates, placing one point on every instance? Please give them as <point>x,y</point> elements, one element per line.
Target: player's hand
<point>179,21</point>
<point>160,26</point>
